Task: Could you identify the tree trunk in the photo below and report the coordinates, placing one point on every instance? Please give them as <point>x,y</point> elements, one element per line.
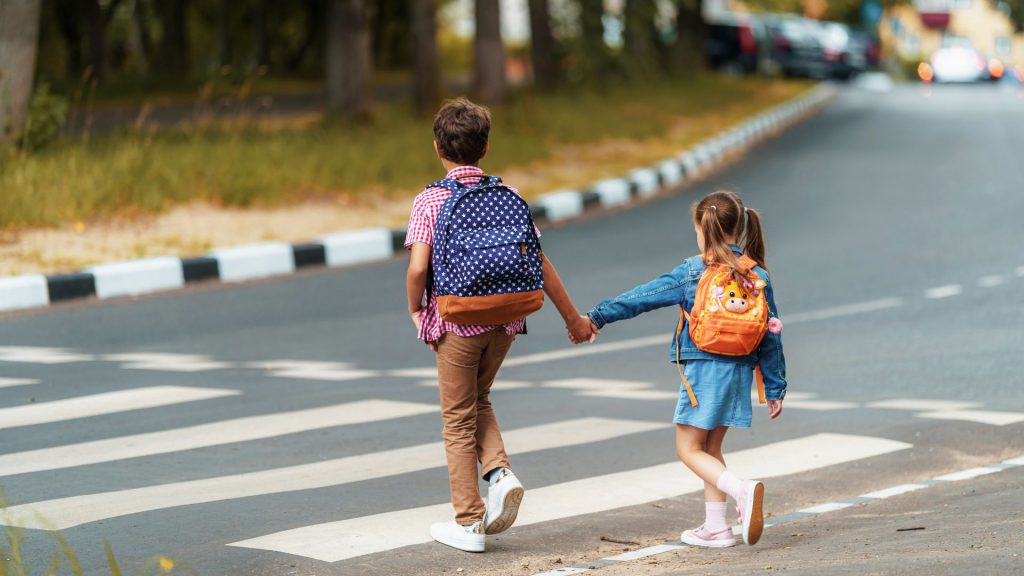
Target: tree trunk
<point>347,59</point>
<point>426,68</point>
<point>312,36</point>
<point>173,42</point>
<point>596,63</point>
<point>546,74</point>
<point>19,42</point>
<point>489,80</point>
<point>261,43</point>
<point>691,32</point>
<point>97,39</point>
<point>641,41</point>
<point>69,17</point>
<point>223,56</point>
<point>138,36</point>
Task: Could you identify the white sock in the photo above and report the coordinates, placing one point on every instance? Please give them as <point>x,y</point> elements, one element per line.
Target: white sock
<point>730,484</point>
<point>714,516</point>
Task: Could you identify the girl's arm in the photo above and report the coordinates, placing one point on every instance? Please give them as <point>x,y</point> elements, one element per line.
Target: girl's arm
<point>665,290</point>
<point>770,355</point>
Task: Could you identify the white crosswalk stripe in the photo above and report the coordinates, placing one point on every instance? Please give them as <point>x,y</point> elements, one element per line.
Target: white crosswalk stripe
<point>12,382</point>
<point>309,370</point>
<point>334,541</point>
<point>167,362</point>
<point>105,403</point>
<point>203,435</point>
<point>40,355</point>
<point>73,511</point>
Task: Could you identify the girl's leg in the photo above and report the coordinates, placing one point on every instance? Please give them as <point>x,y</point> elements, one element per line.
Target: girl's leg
<point>713,446</point>
<point>691,444</point>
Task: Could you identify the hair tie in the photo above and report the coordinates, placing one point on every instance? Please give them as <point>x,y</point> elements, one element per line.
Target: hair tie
<point>715,208</point>
<point>744,209</point>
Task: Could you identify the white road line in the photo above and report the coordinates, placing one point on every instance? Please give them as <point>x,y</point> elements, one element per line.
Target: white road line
<point>11,382</point>
<point>167,362</point>
<point>40,355</point>
<point>944,291</point>
<point>73,511</point>
<point>830,507</point>
<point>981,416</point>
<point>846,310</point>
<point>644,552</point>
<point>606,388</point>
<point>991,281</point>
<point>203,435</point>
<point>967,474</point>
<point>105,403</point>
<point>661,339</point>
<point>1020,271</point>
<point>894,491</point>
<point>817,405</point>
<point>498,386</point>
<point>334,541</point>
<point>311,370</point>
<point>922,404</point>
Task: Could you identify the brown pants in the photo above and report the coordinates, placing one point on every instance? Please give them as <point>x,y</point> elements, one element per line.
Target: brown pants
<point>466,367</point>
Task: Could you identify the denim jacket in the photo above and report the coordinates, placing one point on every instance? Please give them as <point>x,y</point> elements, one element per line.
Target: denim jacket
<point>680,287</point>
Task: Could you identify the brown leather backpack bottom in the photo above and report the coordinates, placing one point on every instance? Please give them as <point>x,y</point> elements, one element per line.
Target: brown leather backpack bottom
<point>494,309</point>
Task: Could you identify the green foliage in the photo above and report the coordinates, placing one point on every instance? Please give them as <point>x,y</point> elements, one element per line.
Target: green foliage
<point>246,165</point>
<point>47,113</point>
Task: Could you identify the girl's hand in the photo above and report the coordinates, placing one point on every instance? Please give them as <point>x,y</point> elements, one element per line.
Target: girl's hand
<point>774,408</point>
<point>581,329</point>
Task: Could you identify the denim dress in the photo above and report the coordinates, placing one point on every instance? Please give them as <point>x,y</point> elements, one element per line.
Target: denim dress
<point>722,384</point>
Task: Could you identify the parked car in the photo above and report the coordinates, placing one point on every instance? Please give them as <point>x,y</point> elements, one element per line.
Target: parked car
<point>957,63</point>
<point>794,46</point>
<point>733,43</point>
<point>845,53</point>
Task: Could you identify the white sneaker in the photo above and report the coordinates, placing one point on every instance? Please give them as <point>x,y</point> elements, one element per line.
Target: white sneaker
<point>466,538</point>
<point>503,499</point>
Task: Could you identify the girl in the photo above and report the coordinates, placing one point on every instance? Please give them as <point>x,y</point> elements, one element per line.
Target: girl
<point>716,389</point>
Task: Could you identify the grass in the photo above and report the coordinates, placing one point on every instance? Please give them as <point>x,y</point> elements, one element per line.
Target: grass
<point>251,163</point>
<point>63,556</point>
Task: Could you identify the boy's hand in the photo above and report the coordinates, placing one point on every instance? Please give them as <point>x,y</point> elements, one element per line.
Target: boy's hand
<point>774,408</point>
<point>581,329</point>
<point>416,322</point>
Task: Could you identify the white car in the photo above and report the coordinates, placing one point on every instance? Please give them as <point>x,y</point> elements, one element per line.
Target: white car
<point>958,64</point>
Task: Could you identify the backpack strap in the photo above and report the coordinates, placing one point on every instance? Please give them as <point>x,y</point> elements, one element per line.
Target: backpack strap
<point>747,263</point>
<point>760,384</point>
<point>679,335</point>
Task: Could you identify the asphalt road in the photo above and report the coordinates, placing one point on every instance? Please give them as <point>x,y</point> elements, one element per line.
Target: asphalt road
<point>894,227</point>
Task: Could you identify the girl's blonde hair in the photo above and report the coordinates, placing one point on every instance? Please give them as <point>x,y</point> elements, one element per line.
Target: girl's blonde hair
<point>722,214</point>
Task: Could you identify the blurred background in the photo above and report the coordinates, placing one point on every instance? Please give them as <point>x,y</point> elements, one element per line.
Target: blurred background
<point>133,128</point>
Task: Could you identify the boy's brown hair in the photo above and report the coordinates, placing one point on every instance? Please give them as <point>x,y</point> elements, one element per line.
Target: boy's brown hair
<point>461,129</point>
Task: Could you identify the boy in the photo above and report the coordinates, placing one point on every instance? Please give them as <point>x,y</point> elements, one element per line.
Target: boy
<point>468,357</point>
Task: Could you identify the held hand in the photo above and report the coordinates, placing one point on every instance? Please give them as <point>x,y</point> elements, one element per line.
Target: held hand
<point>774,408</point>
<point>581,329</point>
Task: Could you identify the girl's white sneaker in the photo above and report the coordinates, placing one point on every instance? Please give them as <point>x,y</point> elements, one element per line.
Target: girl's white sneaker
<point>752,509</point>
<point>466,538</point>
<point>703,537</point>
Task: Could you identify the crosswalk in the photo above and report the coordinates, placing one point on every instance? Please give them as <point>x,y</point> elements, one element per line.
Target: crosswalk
<point>572,435</point>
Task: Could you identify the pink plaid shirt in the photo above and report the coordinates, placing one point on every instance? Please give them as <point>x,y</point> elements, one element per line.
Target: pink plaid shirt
<point>421,229</point>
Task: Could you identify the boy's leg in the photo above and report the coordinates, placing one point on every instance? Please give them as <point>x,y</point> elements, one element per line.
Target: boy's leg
<point>489,445</point>
<point>458,362</point>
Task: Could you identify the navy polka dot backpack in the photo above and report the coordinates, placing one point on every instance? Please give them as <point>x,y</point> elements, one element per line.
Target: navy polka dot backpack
<point>486,258</point>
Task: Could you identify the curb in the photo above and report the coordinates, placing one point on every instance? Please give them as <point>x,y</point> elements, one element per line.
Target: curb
<point>250,262</point>
<point>795,516</point>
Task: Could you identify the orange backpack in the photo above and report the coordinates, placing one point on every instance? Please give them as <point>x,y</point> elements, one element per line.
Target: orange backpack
<point>728,318</point>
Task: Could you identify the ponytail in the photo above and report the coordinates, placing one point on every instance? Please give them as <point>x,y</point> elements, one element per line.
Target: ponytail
<point>753,237</point>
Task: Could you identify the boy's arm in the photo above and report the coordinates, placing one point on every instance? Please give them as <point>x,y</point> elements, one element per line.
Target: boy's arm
<point>416,282</point>
<point>579,326</point>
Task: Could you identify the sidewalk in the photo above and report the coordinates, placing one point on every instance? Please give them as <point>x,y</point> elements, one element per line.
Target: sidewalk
<point>970,527</point>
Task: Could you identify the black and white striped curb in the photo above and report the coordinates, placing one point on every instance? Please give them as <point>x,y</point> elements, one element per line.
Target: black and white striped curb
<point>241,263</point>
<point>798,515</point>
